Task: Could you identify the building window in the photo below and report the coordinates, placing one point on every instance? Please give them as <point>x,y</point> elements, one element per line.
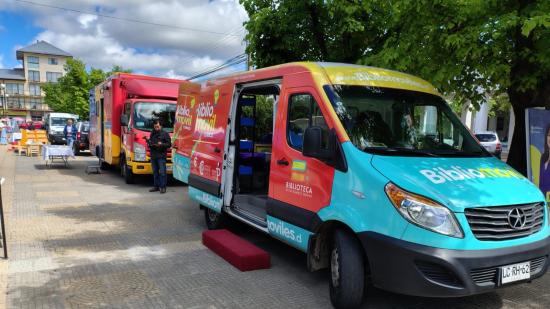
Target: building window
<point>32,62</point>
<point>16,102</point>
<point>52,61</point>
<point>34,76</point>
<point>35,103</point>
<point>34,89</point>
<point>13,88</point>
<point>52,77</point>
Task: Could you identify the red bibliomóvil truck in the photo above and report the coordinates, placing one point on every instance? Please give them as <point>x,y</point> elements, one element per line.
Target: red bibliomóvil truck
<point>122,110</point>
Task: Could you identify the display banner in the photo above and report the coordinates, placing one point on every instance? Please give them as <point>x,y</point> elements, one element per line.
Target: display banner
<point>537,125</point>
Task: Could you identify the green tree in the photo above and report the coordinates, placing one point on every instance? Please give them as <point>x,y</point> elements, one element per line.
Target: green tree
<point>474,48</point>
<point>96,76</point>
<point>312,30</point>
<point>467,49</point>
<point>70,93</point>
<point>118,69</point>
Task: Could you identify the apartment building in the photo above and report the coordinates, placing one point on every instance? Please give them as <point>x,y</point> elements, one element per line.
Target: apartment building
<point>21,92</point>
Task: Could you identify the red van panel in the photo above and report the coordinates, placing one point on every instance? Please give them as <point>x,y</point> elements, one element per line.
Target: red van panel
<point>211,113</point>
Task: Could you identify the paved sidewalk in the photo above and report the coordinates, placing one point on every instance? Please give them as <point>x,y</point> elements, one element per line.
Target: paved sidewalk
<point>87,241</point>
<point>7,166</point>
<point>90,241</point>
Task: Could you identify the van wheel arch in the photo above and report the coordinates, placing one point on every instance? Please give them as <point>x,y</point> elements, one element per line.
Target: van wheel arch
<point>126,172</point>
<point>213,219</point>
<point>320,246</point>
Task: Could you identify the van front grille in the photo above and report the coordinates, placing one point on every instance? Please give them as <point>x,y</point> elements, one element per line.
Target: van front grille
<point>505,222</point>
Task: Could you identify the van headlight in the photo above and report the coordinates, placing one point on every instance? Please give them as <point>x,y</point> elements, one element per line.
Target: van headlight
<point>424,212</point>
<point>139,152</point>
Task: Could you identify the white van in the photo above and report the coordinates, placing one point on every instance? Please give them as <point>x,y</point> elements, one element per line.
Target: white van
<point>54,124</point>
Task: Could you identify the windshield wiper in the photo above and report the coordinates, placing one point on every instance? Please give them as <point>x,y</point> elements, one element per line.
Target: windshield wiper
<point>399,151</point>
<point>458,153</point>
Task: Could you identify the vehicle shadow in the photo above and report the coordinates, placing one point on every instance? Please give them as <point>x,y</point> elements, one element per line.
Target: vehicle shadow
<point>77,167</point>
<point>295,262</point>
<point>144,250</point>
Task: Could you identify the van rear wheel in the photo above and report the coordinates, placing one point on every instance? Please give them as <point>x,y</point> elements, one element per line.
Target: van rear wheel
<point>214,220</point>
<point>347,271</point>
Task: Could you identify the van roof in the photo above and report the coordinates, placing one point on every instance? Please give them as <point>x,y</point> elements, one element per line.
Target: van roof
<point>143,77</point>
<point>341,73</point>
<point>63,115</point>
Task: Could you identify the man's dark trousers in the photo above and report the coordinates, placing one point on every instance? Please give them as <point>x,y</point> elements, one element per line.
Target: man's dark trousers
<point>159,172</point>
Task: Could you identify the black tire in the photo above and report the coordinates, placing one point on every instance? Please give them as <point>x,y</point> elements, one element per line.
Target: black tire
<point>104,166</point>
<point>347,271</point>
<point>126,172</point>
<point>76,150</point>
<point>213,219</point>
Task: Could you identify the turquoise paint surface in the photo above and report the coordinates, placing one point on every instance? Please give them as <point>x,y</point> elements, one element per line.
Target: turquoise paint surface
<point>289,233</point>
<point>367,175</point>
<point>374,212</point>
<point>457,193</point>
<point>205,199</point>
<point>181,167</point>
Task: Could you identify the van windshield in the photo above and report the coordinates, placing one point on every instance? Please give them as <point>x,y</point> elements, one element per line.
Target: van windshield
<point>85,127</point>
<point>401,122</point>
<point>58,122</point>
<point>147,112</point>
<point>486,137</point>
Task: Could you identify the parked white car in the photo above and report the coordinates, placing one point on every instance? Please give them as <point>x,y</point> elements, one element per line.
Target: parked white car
<point>490,141</point>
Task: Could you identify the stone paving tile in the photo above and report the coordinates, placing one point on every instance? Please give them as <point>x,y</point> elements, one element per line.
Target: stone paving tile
<point>56,194</point>
<point>91,241</point>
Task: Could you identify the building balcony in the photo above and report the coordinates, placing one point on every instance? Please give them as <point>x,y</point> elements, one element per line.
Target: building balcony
<point>25,104</point>
<point>28,106</point>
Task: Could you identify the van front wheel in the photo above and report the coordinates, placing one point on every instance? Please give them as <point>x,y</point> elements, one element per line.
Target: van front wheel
<point>214,220</point>
<point>126,172</point>
<point>347,271</point>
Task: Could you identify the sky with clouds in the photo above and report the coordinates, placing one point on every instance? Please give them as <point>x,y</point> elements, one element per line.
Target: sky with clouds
<point>188,36</point>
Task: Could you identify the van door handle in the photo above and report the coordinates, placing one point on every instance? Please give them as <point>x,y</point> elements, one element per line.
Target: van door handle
<point>217,150</point>
<point>282,161</point>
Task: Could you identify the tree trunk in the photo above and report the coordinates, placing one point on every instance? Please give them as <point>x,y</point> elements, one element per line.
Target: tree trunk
<point>517,156</point>
<point>317,30</point>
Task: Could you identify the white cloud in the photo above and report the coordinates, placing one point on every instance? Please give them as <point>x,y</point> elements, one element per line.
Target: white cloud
<point>1,61</point>
<point>172,74</point>
<point>86,19</point>
<point>164,51</point>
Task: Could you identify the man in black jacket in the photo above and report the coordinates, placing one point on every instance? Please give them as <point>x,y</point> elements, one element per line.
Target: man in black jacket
<point>159,142</point>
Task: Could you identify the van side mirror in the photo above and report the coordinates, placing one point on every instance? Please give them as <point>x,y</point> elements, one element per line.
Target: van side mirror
<point>124,120</point>
<point>312,144</point>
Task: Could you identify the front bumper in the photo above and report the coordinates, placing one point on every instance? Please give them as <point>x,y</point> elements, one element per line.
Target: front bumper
<point>83,144</point>
<point>408,268</point>
<point>145,168</point>
<point>56,138</point>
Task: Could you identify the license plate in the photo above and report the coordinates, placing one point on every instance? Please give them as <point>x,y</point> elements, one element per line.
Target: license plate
<point>515,272</point>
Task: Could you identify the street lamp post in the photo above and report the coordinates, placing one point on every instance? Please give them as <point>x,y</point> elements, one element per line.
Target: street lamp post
<point>3,88</point>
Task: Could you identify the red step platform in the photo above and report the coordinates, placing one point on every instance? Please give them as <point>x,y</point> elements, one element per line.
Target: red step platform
<point>237,251</point>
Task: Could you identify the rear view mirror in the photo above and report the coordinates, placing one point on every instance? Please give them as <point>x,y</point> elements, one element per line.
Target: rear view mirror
<point>331,153</point>
<point>124,120</point>
<point>313,144</point>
